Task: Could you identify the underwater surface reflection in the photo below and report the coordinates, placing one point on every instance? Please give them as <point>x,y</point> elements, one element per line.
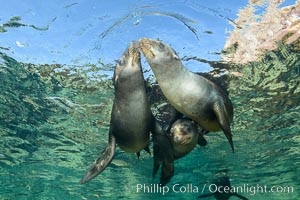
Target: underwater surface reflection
<point>54,120</point>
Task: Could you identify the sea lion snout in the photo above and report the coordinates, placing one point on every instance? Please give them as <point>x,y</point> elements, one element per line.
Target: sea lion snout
<point>182,138</point>
<point>146,47</point>
<point>133,55</point>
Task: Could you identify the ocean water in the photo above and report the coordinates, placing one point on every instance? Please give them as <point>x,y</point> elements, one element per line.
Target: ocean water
<point>56,96</point>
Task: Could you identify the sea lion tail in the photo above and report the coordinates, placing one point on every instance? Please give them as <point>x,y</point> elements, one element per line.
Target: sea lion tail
<point>102,161</point>
<point>163,154</point>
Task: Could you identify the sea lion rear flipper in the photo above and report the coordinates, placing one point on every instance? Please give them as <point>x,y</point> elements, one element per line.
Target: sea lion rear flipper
<point>147,149</point>
<point>167,172</point>
<point>201,140</point>
<point>163,153</point>
<point>102,161</point>
<point>138,154</point>
<point>224,121</point>
<point>156,162</point>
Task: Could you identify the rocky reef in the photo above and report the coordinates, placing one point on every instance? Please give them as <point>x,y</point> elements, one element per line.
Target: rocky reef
<point>259,28</point>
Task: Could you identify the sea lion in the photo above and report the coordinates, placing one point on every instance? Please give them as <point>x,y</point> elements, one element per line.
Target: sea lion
<point>181,131</point>
<point>131,117</point>
<point>183,135</point>
<point>192,95</point>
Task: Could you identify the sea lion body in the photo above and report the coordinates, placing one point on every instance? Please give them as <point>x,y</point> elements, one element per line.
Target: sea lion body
<point>131,117</point>
<point>191,94</point>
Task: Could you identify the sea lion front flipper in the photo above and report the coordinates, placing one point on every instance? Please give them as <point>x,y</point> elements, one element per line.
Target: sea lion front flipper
<point>174,115</point>
<point>224,121</point>
<point>102,161</point>
<point>163,154</point>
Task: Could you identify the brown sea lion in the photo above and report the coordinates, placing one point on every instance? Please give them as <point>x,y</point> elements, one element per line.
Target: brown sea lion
<point>191,94</point>
<point>131,118</point>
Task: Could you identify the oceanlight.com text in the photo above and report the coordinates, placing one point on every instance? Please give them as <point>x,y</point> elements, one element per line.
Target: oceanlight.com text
<point>212,188</point>
<point>252,190</point>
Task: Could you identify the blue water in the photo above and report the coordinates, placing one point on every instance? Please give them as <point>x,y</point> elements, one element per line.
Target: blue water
<point>56,94</point>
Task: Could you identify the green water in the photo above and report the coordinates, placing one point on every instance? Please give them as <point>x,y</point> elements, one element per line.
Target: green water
<point>55,119</point>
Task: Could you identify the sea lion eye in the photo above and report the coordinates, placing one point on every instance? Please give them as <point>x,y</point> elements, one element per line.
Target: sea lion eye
<point>121,62</point>
<point>161,45</point>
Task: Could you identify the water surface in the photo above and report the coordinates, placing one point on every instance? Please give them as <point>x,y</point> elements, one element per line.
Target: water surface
<point>56,94</point>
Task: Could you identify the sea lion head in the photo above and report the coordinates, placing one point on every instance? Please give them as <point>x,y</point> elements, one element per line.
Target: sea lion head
<point>157,52</point>
<point>129,61</point>
<point>184,132</point>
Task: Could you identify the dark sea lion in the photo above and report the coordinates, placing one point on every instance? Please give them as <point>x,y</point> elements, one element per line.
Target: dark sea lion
<point>183,135</point>
<point>182,132</point>
<point>192,95</point>
<point>131,118</point>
